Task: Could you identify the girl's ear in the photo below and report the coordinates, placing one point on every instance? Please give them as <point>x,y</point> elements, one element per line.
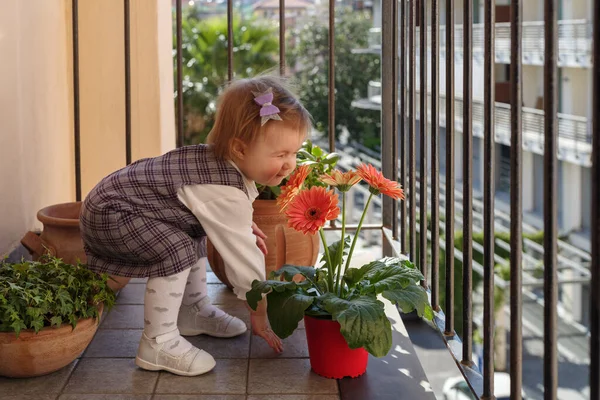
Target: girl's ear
<point>238,149</point>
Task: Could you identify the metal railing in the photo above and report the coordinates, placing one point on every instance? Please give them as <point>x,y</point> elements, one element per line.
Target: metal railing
<point>574,42</point>
<point>402,15</point>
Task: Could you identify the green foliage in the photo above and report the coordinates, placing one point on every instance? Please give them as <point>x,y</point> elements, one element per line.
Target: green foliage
<point>320,161</point>
<point>204,53</point>
<point>352,74</point>
<point>34,295</point>
<point>360,314</point>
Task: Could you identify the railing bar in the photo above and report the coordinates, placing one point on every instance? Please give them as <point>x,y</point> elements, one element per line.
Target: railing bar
<point>550,200</point>
<point>353,227</point>
<point>423,142</point>
<point>331,78</point>
<point>229,40</point>
<point>389,111</point>
<point>282,37</point>
<point>488,201</point>
<point>412,138</point>
<point>179,28</point>
<point>449,307</point>
<point>394,130</point>
<point>403,138</point>
<point>76,110</point>
<point>435,131</point>
<point>467,183</point>
<point>595,236</point>
<point>127,33</point>
<point>516,202</point>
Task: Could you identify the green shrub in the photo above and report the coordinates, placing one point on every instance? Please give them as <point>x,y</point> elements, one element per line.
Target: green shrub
<point>37,294</point>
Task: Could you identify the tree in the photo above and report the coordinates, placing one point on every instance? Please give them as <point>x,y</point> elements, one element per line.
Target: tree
<point>204,53</point>
<point>353,72</point>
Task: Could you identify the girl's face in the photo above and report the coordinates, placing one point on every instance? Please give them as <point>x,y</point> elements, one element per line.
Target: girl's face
<point>272,156</point>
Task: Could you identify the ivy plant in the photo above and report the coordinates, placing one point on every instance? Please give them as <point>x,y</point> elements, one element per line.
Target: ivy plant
<point>49,292</point>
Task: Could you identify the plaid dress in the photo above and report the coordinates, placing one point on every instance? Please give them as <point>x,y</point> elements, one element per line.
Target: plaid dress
<point>132,223</point>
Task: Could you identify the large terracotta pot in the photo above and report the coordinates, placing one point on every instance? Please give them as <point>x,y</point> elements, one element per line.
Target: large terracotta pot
<point>284,245</point>
<point>60,236</point>
<point>329,353</point>
<point>34,354</point>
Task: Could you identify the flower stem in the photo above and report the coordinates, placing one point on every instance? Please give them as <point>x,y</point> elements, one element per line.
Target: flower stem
<point>341,260</point>
<point>328,257</point>
<point>362,218</point>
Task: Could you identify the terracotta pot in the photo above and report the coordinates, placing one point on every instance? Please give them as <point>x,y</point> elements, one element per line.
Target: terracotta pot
<point>60,236</point>
<point>284,245</point>
<point>35,354</point>
<point>329,353</point>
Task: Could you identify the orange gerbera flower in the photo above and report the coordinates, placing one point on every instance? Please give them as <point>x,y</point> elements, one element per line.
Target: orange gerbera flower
<point>342,180</point>
<point>378,183</point>
<point>311,209</point>
<point>292,186</point>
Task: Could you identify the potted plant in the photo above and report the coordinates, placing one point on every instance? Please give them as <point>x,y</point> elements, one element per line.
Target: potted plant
<point>284,244</point>
<point>343,316</point>
<point>49,313</point>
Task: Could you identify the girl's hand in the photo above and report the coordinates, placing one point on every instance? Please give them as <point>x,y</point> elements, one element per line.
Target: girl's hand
<point>260,238</point>
<point>261,327</point>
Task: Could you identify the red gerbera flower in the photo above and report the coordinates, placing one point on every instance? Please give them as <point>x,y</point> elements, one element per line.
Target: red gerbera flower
<point>292,186</point>
<point>311,209</point>
<point>378,183</point>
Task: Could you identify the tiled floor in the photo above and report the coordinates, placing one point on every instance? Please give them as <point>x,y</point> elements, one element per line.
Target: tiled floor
<point>246,367</point>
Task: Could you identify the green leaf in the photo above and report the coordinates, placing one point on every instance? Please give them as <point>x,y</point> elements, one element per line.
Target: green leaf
<point>254,295</point>
<point>306,155</point>
<point>363,322</point>
<point>392,277</point>
<point>17,326</point>
<point>410,298</point>
<point>332,158</point>
<point>56,320</point>
<point>386,274</point>
<point>290,271</point>
<point>285,310</point>
<point>355,275</point>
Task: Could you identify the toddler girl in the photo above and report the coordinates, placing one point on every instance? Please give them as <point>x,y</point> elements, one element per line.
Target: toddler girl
<point>151,219</point>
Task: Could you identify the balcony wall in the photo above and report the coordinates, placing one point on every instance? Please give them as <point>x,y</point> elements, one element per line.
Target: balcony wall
<point>36,145</point>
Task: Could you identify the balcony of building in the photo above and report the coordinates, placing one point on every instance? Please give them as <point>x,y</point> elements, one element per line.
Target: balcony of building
<point>574,42</point>
<point>95,90</point>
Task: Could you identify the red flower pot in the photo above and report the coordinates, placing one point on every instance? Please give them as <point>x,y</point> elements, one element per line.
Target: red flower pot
<point>329,353</point>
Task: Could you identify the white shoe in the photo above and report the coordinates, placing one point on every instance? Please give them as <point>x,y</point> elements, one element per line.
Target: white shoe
<point>153,355</point>
<point>191,323</point>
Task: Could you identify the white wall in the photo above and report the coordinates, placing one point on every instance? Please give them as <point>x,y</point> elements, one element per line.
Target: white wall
<point>36,100</point>
<point>531,84</point>
<point>533,10</point>
<point>576,94</point>
<point>36,162</point>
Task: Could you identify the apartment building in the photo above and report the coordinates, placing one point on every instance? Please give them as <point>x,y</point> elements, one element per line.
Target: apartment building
<point>574,120</point>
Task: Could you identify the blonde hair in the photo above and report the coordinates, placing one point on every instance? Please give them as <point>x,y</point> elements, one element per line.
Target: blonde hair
<point>238,115</point>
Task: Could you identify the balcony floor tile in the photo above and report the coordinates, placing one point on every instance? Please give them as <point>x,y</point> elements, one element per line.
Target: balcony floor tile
<point>36,387</point>
<point>110,375</point>
<point>287,376</point>
<point>228,377</point>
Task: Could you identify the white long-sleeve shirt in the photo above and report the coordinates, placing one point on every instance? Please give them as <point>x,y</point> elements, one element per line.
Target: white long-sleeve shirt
<point>225,213</point>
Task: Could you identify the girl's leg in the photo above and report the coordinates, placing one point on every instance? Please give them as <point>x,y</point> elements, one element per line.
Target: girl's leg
<point>198,316</point>
<point>162,347</point>
<point>117,282</point>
